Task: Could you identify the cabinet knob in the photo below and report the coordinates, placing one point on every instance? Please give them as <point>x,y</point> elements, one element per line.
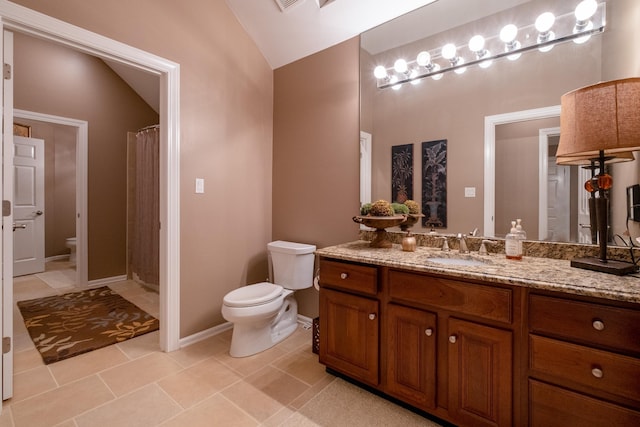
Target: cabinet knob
<point>597,372</point>
<point>428,332</point>
<point>598,325</point>
<point>343,276</point>
<point>372,316</point>
<point>453,339</point>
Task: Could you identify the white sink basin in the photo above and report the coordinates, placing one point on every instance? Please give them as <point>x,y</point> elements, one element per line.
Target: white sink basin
<point>456,261</point>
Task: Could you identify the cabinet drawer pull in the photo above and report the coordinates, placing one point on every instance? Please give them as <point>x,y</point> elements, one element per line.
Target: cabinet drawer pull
<point>597,372</point>
<point>598,325</point>
<point>372,316</point>
<point>343,276</point>
<point>428,332</point>
<point>453,339</point>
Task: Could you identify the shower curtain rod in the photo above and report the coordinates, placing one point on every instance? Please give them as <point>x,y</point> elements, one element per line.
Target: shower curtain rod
<point>149,128</point>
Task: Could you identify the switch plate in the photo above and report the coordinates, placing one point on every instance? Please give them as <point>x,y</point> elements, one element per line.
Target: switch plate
<point>469,191</point>
<point>199,185</point>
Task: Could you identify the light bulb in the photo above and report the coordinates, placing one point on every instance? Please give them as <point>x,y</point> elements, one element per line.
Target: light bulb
<point>586,9</point>
<point>476,44</point>
<point>380,72</point>
<point>401,66</point>
<point>488,62</point>
<point>436,67</point>
<point>461,70</point>
<point>582,39</point>
<point>423,59</point>
<point>516,45</point>
<point>449,51</point>
<point>393,80</point>
<point>508,33</point>
<point>413,75</point>
<point>550,35</point>
<point>545,22</point>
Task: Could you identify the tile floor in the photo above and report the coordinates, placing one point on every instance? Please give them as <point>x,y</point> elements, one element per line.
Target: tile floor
<point>135,384</point>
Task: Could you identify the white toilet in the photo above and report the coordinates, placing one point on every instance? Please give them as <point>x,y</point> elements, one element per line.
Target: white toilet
<point>263,314</point>
<point>71,244</point>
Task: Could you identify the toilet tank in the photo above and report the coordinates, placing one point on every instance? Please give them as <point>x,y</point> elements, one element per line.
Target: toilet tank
<point>292,264</point>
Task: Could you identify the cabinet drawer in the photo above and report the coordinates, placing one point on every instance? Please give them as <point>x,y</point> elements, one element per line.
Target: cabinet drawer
<point>596,369</point>
<point>351,277</point>
<point>555,407</point>
<point>476,300</point>
<point>586,322</point>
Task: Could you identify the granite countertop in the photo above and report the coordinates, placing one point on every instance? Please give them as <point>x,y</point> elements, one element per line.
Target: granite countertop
<point>538,273</point>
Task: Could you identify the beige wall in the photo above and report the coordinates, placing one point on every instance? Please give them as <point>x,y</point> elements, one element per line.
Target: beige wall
<point>316,152</point>
<point>56,80</point>
<point>226,110</point>
<point>60,183</point>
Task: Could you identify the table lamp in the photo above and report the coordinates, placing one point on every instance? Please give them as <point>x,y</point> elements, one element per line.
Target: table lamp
<point>600,124</point>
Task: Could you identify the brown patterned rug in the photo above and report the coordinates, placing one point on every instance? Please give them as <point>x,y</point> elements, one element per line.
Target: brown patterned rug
<point>64,326</point>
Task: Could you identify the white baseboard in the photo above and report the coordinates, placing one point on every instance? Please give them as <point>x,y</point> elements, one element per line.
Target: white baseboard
<point>105,281</point>
<point>203,335</point>
<point>208,333</point>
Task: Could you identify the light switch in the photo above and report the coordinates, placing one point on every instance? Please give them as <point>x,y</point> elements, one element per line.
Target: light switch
<point>199,185</point>
<point>469,191</point>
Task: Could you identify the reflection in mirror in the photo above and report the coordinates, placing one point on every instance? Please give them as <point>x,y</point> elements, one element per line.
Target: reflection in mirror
<point>455,106</point>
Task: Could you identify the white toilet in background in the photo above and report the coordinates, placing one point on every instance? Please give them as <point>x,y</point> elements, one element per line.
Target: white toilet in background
<point>71,244</point>
<point>263,314</point>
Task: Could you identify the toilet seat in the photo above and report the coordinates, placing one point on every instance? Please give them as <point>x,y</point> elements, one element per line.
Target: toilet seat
<point>252,295</point>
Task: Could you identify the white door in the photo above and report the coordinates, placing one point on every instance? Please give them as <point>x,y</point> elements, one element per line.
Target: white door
<point>584,221</point>
<point>28,206</point>
<point>558,197</point>
<point>6,194</point>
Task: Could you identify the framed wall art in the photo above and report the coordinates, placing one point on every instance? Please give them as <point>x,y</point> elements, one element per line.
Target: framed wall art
<point>434,183</point>
<point>401,173</point>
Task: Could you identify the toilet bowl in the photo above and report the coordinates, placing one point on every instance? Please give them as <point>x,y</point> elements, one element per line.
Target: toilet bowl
<point>71,244</point>
<point>263,314</point>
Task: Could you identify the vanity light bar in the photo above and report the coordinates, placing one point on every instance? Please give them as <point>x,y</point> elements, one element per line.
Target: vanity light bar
<point>578,26</point>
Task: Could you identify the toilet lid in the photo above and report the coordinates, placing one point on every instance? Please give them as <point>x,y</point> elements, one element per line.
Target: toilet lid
<point>256,294</point>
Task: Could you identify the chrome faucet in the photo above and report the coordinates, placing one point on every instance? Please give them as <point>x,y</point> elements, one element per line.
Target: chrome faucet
<point>445,243</point>
<point>463,243</point>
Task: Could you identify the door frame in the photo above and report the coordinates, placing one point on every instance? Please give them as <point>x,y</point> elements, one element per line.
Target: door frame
<point>21,19</point>
<point>490,123</point>
<point>82,140</point>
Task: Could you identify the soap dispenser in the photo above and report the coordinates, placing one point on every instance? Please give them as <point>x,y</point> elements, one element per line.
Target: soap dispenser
<point>513,243</point>
<point>522,235</point>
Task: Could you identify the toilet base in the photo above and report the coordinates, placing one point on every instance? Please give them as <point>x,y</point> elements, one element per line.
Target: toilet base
<point>251,338</point>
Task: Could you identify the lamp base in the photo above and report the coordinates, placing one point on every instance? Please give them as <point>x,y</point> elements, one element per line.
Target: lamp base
<point>612,267</point>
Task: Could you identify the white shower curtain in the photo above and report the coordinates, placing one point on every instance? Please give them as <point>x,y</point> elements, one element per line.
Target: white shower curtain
<point>146,228</point>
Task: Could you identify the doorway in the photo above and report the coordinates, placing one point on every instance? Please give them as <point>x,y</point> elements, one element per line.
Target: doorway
<point>21,19</point>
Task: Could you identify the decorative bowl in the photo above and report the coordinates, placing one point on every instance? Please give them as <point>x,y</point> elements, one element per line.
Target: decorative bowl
<point>380,223</point>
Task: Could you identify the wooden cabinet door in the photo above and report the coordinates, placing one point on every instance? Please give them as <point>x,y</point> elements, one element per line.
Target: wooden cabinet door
<point>480,374</point>
<point>411,355</point>
<point>349,335</point>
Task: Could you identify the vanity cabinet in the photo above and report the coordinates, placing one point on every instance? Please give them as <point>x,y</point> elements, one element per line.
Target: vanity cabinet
<point>584,362</point>
<point>441,345</point>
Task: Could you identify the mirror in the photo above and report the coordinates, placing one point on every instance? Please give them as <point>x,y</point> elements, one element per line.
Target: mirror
<point>456,107</point>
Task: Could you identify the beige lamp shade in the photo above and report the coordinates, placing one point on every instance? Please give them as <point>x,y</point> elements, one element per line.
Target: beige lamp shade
<point>603,117</point>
